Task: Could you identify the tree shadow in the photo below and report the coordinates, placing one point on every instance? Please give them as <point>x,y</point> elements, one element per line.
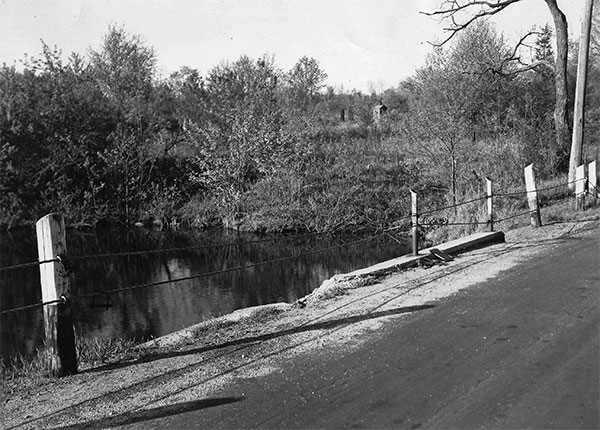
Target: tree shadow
<point>329,324</point>
<point>243,342</point>
<point>150,414</point>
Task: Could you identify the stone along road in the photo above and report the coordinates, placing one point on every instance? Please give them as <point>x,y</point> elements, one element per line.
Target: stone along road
<point>517,351</point>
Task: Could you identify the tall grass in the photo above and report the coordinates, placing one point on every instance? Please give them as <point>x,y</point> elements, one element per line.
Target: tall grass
<point>33,367</point>
<point>95,350</point>
<point>511,210</point>
<point>90,352</point>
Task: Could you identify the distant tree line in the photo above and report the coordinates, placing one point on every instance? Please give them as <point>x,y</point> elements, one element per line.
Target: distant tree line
<point>104,140</point>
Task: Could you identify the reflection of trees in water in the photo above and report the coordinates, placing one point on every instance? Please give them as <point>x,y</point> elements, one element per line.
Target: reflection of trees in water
<point>19,331</point>
<point>153,311</point>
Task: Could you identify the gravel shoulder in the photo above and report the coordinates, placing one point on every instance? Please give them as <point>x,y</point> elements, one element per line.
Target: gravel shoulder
<point>199,362</point>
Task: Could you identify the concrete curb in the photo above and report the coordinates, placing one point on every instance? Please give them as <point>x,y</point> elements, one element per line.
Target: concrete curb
<point>474,241</point>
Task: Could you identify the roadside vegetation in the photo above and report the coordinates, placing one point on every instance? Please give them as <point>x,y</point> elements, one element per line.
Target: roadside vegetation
<point>103,139</point>
<point>91,352</point>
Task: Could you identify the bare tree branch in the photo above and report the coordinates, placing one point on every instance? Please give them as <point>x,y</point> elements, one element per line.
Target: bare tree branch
<point>514,57</point>
<point>476,9</point>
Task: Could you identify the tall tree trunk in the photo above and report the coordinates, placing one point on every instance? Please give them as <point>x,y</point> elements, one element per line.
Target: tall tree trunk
<point>579,110</point>
<point>561,122</point>
<point>453,173</point>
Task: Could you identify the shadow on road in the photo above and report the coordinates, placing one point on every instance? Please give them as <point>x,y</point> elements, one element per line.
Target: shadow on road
<point>170,410</point>
<point>324,325</point>
<point>150,414</point>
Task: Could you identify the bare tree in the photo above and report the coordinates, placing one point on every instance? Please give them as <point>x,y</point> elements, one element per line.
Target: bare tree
<point>462,13</point>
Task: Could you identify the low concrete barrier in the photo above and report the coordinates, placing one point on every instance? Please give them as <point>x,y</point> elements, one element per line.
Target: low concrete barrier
<point>474,241</point>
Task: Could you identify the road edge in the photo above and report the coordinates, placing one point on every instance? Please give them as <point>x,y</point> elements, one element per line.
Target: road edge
<point>329,287</point>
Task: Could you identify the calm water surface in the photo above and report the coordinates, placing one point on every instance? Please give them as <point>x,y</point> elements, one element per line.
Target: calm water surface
<point>151,311</point>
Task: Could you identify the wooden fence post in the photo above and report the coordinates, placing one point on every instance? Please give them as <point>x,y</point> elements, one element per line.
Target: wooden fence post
<point>1,356</point>
<point>490,204</point>
<point>415,223</point>
<point>593,181</point>
<point>580,184</point>
<point>532,200</point>
<point>54,278</point>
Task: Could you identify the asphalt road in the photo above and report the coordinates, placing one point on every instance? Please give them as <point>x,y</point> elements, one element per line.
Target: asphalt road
<point>518,351</point>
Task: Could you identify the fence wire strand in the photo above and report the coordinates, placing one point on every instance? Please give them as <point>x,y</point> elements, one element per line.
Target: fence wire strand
<point>231,269</point>
<point>19,266</point>
<point>452,206</point>
<point>514,216</point>
<point>518,193</point>
<point>196,247</point>
<point>32,306</point>
<point>26,265</point>
<point>385,231</point>
<point>453,223</point>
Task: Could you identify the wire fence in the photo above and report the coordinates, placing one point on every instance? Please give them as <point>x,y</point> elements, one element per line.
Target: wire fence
<point>231,269</point>
<point>187,278</point>
<point>32,306</point>
<point>539,190</point>
<point>27,265</point>
<point>453,206</point>
<point>199,247</point>
<point>397,226</point>
<point>170,250</point>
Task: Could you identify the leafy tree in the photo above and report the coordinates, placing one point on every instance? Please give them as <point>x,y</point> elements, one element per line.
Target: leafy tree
<point>241,138</point>
<point>56,125</point>
<point>124,68</point>
<point>543,46</point>
<point>532,110</point>
<point>457,100</point>
<point>304,81</point>
<point>189,90</point>
<point>147,125</point>
<point>462,14</point>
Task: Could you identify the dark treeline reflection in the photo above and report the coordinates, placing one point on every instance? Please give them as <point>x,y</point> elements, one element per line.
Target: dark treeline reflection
<point>151,311</point>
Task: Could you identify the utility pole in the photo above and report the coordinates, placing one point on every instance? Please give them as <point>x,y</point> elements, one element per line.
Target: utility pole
<point>578,115</point>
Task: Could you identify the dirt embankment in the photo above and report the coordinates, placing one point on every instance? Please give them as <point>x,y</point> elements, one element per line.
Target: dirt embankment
<point>198,362</point>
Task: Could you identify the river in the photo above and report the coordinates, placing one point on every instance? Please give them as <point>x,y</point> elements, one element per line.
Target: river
<point>188,290</point>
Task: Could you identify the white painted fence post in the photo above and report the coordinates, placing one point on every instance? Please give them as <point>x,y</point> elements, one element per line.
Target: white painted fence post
<point>54,278</point>
<point>532,199</point>
<point>490,204</point>
<point>593,181</point>
<point>1,356</point>
<point>580,184</point>
<point>415,222</point>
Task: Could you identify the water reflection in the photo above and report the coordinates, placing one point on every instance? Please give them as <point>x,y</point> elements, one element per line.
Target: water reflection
<point>151,311</point>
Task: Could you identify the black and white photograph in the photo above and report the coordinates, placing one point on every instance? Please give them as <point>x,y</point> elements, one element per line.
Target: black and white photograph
<point>299,214</point>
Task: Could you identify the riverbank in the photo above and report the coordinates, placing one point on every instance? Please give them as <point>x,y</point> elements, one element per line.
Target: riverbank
<point>337,317</point>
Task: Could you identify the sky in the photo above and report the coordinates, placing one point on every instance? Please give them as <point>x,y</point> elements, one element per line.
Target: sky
<point>361,44</point>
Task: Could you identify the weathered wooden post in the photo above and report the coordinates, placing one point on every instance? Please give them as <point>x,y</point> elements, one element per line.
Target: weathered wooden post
<point>532,200</point>
<point>593,181</point>
<point>415,222</point>
<point>580,184</point>
<point>1,356</point>
<point>490,204</point>
<point>54,278</point>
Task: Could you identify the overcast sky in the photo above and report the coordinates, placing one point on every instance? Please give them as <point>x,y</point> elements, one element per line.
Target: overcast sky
<point>360,44</point>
